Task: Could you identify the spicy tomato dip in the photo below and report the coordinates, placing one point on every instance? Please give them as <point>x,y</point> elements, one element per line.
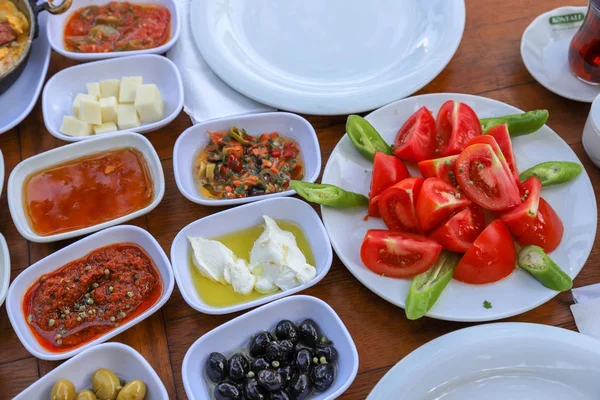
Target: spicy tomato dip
<point>88,297</point>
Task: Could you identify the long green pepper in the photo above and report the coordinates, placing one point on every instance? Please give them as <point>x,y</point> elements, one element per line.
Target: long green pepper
<point>534,260</point>
<point>553,172</point>
<point>365,138</point>
<point>328,195</point>
<point>518,124</point>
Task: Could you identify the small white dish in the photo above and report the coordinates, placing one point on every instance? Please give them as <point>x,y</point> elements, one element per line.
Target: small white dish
<point>18,101</point>
<point>193,139</point>
<point>4,269</point>
<point>56,27</point>
<point>61,89</point>
<point>233,335</point>
<point>497,362</point>
<point>238,218</point>
<point>591,133</point>
<point>75,251</point>
<point>74,151</point>
<point>545,47</point>
<point>123,360</point>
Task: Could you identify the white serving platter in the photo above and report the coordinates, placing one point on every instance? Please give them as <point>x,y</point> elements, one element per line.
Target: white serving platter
<point>4,269</point>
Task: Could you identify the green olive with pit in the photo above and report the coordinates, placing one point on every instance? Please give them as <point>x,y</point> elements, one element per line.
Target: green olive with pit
<point>85,395</point>
<point>134,390</point>
<point>63,389</point>
<point>106,384</point>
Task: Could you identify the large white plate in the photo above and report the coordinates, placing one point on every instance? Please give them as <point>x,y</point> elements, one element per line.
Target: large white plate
<point>497,362</point>
<point>327,57</point>
<point>574,202</point>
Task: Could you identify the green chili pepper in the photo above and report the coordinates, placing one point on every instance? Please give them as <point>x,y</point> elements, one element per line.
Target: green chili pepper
<point>426,288</point>
<point>553,172</point>
<point>328,195</point>
<point>365,138</point>
<point>534,260</point>
<point>238,135</point>
<point>518,124</point>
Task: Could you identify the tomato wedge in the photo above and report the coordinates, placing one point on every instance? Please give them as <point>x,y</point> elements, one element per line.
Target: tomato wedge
<point>398,255</point>
<point>460,231</point>
<point>415,141</point>
<point>442,168</point>
<point>397,205</point>
<point>502,136</point>
<point>483,178</point>
<point>491,257</point>
<point>456,124</point>
<point>546,231</point>
<point>374,207</point>
<point>387,170</point>
<point>437,201</point>
<point>524,215</point>
<point>485,139</point>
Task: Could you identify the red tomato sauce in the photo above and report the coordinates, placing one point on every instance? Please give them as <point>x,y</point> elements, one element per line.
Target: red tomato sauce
<point>87,191</point>
<point>89,297</point>
<point>117,26</point>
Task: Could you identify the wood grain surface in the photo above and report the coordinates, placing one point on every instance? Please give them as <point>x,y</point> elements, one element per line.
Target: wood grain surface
<point>487,63</point>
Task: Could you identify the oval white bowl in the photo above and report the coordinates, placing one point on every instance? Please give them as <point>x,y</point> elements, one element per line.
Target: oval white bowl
<point>288,125</point>
<point>75,251</point>
<point>56,27</point>
<point>246,216</point>
<point>61,89</point>
<point>233,335</point>
<point>4,269</point>
<point>75,151</point>
<point>123,360</point>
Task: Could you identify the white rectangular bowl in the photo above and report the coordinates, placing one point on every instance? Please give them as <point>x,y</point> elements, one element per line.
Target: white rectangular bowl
<point>288,125</point>
<point>75,151</point>
<point>123,360</point>
<point>75,251</point>
<point>63,87</point>
<point>231,336</point>
<point>56,26</point>
<point>235,219</point>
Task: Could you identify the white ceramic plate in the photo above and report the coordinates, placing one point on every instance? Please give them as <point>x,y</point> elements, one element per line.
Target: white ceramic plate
<point>75,251</point>
<point>233,335</point>
<point>75,151</point>
<point>61,89</point>
<point>246,216</point>
<point>56,27</point>
<point>327,57</point>
<point>123,360</point>
<point>4,268</point>
<point>18,101</point>
<point>1,172</point>
<point>574,202</point>
<point>544,49</point>
<point>497,362</point>
<point>193,139</point>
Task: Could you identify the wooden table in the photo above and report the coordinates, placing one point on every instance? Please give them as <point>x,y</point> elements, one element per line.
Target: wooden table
<point>488,63</point>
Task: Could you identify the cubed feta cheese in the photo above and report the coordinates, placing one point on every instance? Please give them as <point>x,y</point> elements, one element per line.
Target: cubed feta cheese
<point>109,107</point>
<point>105,128</point>
<point>90,112</point>
<point>93,89</point>
<point>127,117</point>
<point>129,85</point>
<point>78,100</point>
<point>149,103</point>
<point>109,88</point>
<point>74,127</point>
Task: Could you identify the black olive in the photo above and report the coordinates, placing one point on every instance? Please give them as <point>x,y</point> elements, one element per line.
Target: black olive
<point>269,379</point>
<point>329,352</point>
<point>253,391</point>
<point>237,367</point>
<point>303,361</point>
<point>215,367</point>
<point>322,376</point>
<point>286,374</point>
<point>309,333</point>
<point>286,330</point>
<point>280,351</point>
<point>227,391</point>
<point>300,386</point>
<point>280,395</point>
<point>256,190</point>
<point>258,364</point>
<point>258,345</point>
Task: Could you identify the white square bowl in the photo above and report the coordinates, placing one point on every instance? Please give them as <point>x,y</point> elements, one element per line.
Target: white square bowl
<point>75,151</point>
<point>286,124</point>
<point>4,269</point>
<point>75,251</point>
<point>233,335</point>
<point>63,87</point>
<point>123,360</point>
<point>238,218</point>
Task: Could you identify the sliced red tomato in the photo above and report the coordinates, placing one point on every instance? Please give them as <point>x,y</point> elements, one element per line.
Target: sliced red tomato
<point>374,207</point>
<point>486,139</point>
<point>437,201</point>
<point>387,170</point>
<point>524,215</point>
<point>396,254</point>
<point>460,231</point>
<point>546,231</point>
<point>456,124</point>
<point>483,178</point>
<point>442,168</point>
<point>397,205</point>
<point>502,136</point>
<point>415,141</point>
<point>491,257</point>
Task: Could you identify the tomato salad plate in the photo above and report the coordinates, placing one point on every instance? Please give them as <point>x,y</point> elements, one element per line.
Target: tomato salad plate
<point>457,207</point>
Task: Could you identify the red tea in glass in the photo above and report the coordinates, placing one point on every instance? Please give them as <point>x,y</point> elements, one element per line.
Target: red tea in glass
<point>584,51</point>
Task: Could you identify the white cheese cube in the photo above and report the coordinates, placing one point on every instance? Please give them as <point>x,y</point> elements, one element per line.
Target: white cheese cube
<point>129,85</point>
<point>93,89</point>
<point>74,127</point>
<point>109,88</point>
<point>109,107</point>
<point>90,112</point>
<point>127,117</point>
<point>78,100</point>
<point>105,128</point>
<point>149,103</point>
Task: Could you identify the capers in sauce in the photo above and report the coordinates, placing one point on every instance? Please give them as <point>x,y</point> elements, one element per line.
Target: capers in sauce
<point>105,384</point>
<point>85,395</point>
<point>63,389</point>
<point>134,390</point>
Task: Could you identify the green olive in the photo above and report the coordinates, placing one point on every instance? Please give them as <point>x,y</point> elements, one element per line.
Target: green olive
<point>134,390</point>
<point>105,384</point>
<point>63,389</point>
<point>86,395</point>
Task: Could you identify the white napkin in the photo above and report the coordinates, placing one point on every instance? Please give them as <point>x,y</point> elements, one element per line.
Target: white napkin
<point>585,310</point>
<point>206,95</point>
